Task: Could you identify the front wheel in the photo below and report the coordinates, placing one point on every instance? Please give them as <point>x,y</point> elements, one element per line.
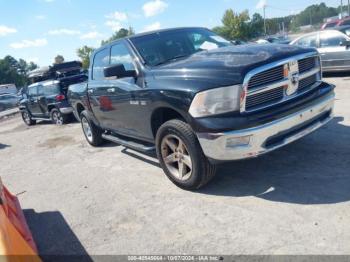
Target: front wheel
<point>181,156</point>
<point>27,118</point>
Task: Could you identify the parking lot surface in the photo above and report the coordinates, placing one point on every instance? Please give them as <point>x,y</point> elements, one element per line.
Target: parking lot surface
<point>111,200</point>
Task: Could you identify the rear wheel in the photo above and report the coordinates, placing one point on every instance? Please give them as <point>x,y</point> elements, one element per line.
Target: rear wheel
<point>27,118</point>
<point>57,117</point>
<point>93,133</point>
<point>181,156</point>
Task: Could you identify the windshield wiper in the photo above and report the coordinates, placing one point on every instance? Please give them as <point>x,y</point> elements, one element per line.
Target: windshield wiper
<point>171,59</point>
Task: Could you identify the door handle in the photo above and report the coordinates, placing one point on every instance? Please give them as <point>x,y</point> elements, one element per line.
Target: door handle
<point>111,90</point>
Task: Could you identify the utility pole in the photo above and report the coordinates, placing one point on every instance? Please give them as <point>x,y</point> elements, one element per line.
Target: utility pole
<point>265,19</point>
<point>341,9</point>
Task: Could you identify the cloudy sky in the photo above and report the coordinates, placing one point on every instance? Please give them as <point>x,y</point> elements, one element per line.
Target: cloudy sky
<point>37,30</point>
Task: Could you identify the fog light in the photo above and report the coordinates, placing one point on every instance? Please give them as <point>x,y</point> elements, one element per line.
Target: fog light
<point>238,141</point>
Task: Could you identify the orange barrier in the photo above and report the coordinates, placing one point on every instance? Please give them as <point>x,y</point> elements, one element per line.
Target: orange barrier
<point>16,240</point>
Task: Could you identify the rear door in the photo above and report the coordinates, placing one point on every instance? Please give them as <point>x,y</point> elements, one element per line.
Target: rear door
<point>333,54</point>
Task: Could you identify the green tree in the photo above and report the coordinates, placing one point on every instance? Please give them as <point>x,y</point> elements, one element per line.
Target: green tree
<point>84,54</point>
<point>59,59</point>
<point>119,34</point>
<point>15,72</point>
<point>256,25</point>
<point>235,25</point>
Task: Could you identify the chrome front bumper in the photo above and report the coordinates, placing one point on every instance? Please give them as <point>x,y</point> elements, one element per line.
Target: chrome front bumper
<point>252,142</point>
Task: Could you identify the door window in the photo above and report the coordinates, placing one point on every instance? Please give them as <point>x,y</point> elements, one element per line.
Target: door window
<point>32,91</point>
<point>331,39</point>
<point>51,90</point>
<point>308,41</point>
<point>40,90</point>
<point>121,55</point>
<point>101,60</point>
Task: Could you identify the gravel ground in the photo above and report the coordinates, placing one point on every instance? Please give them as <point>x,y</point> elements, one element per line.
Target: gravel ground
<point>109,200</point>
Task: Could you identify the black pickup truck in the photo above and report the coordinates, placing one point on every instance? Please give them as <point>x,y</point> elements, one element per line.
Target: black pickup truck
<point>199,101</point>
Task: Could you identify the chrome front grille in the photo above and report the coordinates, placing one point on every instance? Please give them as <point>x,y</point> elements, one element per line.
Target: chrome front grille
<point>307,64</point>
<point>266,77</point>
<point>280,81</point>
<point>271,96</point>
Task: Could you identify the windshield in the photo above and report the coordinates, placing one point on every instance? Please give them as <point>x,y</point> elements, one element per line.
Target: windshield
<point>162,47</point>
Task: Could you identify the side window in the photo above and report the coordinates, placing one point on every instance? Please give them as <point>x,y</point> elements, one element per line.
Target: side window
<point>308,41</point>
<point>32,91</point>
<point>121,55</point>
<point>331,39</point>
<point>101,60</point>
<point>40,90</point>
<point>51,90</point>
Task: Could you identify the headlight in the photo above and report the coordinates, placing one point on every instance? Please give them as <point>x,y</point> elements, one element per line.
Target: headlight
<point>216,101</point>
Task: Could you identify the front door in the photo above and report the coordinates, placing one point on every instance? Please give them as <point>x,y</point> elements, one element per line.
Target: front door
<point>125,118</point>
<point>33,103</point>
<point>113,100</point>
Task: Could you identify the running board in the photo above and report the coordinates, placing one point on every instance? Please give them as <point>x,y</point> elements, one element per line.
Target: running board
<point>40,118</point>
<point>129,144</point>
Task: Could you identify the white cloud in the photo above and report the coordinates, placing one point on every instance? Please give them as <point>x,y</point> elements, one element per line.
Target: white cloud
<point>29,43</point>
<point>152,27</point>
<point>115,20</point>
<point>114,25</point>
<point>4,30</point>
<point>91,35</point>
<point>64,31</point>
<point>119,16</point>
<point>261,4</point>
<point>40,17</point>
<point>153,8</point>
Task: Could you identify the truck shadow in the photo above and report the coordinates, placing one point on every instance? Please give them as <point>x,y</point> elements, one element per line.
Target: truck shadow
<point>313,170</point>
<point>54,238</point>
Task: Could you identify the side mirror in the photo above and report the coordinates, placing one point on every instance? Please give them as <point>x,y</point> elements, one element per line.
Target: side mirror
<point>345,43</point>
<point>118,71</point>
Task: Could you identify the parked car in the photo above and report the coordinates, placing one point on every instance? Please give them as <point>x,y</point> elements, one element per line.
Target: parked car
<point>47,100</point>
<point>275,40</point>
<point>8,101</point>
<point>333,46</point>
<point>344,21</point>
<point>330,24</point>
<point>198,100</point>
<point>345,29</point>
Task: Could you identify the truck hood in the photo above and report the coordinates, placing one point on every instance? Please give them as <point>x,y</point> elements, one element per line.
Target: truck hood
<point>227,65</point>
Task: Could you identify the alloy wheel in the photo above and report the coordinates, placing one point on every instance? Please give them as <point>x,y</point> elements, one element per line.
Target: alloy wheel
<point>87,129</point>
<point>176,157</point>
<point>57,118</point>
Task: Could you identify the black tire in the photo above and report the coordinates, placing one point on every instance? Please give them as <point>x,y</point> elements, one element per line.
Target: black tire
<point>57,117</point>
<point>27,118</point>
<point>94,137</point>
<point>202,170</point>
